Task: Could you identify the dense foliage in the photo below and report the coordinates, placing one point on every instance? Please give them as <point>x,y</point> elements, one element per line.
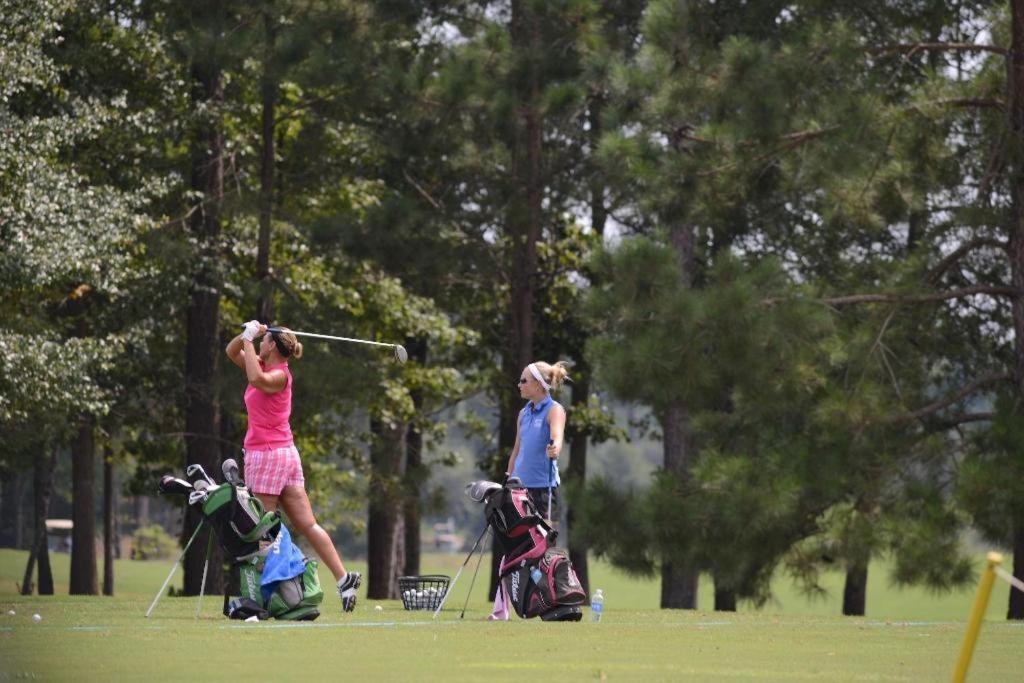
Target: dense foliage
<point>791,232</point>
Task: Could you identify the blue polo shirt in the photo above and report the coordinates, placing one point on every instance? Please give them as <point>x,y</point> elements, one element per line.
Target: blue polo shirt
<point>533,466</point>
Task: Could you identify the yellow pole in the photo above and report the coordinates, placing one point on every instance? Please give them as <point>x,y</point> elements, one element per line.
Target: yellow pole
<point>977,614</point>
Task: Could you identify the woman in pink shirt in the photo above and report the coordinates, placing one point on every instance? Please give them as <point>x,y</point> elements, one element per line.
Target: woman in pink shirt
<point>273,470</point>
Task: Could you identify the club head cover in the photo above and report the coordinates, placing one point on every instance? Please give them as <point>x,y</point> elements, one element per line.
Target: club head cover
<point>173,485</point>
<point>480,491</point>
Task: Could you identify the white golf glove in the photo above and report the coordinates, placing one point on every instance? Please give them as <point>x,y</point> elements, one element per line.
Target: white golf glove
<point>251,330</point>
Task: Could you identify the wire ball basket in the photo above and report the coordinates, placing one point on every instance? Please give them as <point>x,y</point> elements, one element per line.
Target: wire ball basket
<point>423,592</point>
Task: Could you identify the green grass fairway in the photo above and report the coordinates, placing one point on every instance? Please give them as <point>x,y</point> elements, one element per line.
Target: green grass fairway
<point>107,639</point>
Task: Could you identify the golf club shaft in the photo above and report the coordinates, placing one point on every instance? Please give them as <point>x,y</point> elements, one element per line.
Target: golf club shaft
<point>479,561</point>
<point>328,336</point>
<point>174,568</point>
<point>459,573</point>
<point>551,480</point>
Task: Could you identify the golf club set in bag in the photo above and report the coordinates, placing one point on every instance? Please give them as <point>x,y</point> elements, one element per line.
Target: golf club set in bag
<point>275,579</point>
<point>537,578</point>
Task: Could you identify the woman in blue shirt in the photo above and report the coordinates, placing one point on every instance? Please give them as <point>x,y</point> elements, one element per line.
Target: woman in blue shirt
<point>539,434</point>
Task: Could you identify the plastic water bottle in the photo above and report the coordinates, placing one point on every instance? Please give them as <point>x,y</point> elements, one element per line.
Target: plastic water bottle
<point>536,575</point>
<point>597,606</point>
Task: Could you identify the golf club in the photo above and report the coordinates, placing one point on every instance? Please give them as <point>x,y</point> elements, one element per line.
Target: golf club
<point>551,479</point>
<point>400,353</point>
<point>200,493</point>
<point>191,470</point>
<point>173,485</point>
<point>459,573</point>
<point>231,474</point>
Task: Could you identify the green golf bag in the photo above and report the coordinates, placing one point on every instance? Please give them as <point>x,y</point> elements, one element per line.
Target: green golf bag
<point>255,543</point>
<point>293,599</point>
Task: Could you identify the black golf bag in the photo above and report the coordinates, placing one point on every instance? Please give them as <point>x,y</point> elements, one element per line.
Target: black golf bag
<point>538,578</point>
<point>257,546</point>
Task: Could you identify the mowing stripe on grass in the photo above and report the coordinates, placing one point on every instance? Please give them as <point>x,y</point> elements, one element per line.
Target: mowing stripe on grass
<point>366,624</point>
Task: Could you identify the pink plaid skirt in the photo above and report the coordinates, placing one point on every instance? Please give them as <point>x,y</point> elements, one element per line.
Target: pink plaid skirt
<point>270,471</point>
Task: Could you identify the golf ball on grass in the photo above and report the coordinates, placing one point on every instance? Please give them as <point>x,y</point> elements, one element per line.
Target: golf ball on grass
<point>10,613</point>
<point>379,608</point>
<point>36,617</point>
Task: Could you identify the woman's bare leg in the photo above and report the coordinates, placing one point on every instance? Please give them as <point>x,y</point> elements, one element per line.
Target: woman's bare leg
<point>295,504</point>
<point>269,501</point>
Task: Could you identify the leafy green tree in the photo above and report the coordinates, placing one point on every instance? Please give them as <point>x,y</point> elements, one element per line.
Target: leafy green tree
<point>730,143</point>
<point>750,376</point>
<point>72,232</point>
<point>511,93</point>
<point>325,243</point>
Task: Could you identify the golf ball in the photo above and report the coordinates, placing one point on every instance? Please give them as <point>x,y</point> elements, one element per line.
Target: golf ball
<point>379,608</point>
<point>10,613</point>
<point>36,617</point>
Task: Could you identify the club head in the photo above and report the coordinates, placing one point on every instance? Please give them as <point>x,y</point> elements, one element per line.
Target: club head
<point>194,469</point>
<point>400,353</point>
<point>231,474</point>
<point>480,491</point>
<point>170,484</point>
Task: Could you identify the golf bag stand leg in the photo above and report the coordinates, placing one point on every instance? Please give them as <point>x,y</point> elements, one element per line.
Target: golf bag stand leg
<point>206,568</point>
<point>174,568</point>
<point>479,560</point>
<point>459,573</point>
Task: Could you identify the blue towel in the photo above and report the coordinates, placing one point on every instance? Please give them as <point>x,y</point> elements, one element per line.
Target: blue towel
<point>284,561</point>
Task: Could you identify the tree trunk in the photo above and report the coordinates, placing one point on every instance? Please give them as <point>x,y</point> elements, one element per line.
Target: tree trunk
<point>83,515</point>
<point>678,587</point>
<point>679,445</point>
<point>414,465</point>
<point>109,533</point>
<point>725,599</point>
<point>678,581</point>
<point>203,347</point>
<point>415,473</point>
<point>1015,112</point>
<point>19,519</point>
<point>581,372</point>
<point>855,591</point>
<point>10,510</point>
<point>141,505</point>
<point>229,440</point>
<point>577,475</point>
<point>42,483</point>
<point>679,449</point>
<point>268,94</point>
<point>1016,606</point>
<point>385,529</point>
<point>523,226</point>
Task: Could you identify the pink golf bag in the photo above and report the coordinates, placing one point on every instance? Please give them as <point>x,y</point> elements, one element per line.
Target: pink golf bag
<point>538,578</point>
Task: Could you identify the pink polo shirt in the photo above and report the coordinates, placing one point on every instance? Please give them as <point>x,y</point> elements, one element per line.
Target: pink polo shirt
<point>269,414</point>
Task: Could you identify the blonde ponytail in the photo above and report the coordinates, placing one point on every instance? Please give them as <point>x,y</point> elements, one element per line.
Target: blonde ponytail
<point>555,375</point>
